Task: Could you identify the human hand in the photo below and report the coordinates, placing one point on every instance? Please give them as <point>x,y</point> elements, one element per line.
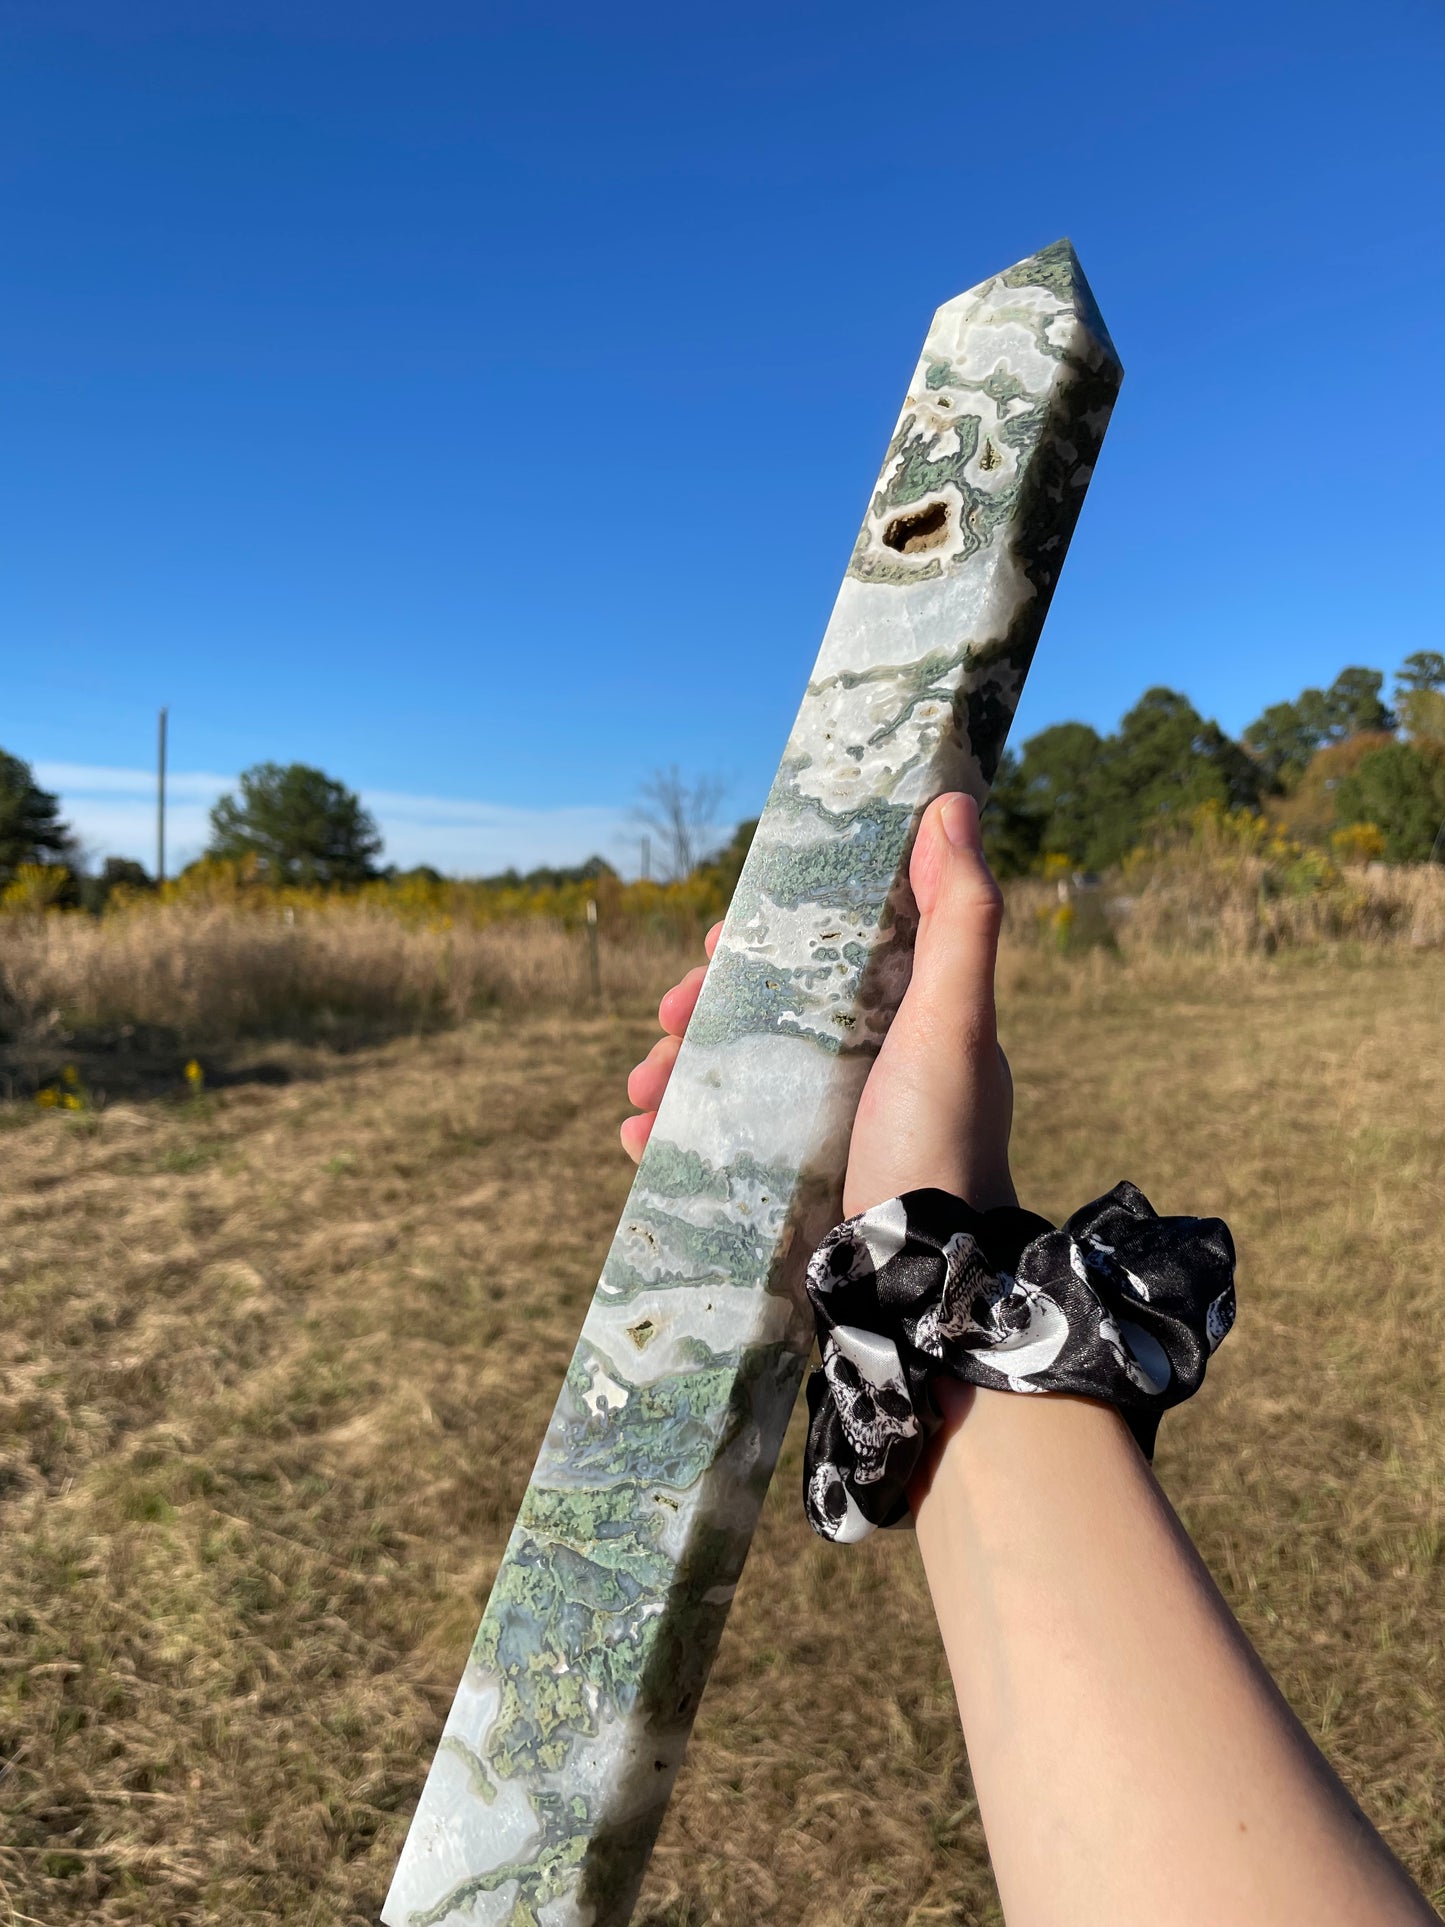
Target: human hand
<point>938,1104</point>
<point>649,1079</point>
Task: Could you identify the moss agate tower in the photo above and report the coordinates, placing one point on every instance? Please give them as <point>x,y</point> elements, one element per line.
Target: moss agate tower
<point>570,1722</point>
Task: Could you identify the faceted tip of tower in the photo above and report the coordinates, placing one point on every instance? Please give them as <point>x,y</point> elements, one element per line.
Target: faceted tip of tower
<point>1057,268</point>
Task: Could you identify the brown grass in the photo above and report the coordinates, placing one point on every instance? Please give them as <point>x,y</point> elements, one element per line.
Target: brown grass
<point>1239,909</point>
<point>279,1359</point>
<point>127,999</point>
<point>214,973</point>
<point>195,970</point>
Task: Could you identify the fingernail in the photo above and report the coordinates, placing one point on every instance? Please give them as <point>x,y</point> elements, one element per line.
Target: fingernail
<point>959,816</point>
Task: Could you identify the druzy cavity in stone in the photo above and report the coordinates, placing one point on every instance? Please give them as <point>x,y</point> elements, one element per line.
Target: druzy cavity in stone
<point>568,1728</point>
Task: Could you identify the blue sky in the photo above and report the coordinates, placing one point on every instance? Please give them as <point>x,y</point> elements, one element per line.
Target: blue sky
<point>480,401</point>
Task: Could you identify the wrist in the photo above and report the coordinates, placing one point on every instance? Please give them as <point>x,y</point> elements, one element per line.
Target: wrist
<point>990,1188</point>
<point>984,1187</point>
<point>1116,1313</point>
<point>984,1430</point>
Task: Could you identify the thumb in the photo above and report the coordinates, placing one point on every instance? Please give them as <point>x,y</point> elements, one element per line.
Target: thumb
<point>960,914</point>
<point>937,1106</point>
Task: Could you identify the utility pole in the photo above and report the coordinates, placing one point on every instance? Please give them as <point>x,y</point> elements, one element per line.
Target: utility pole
<point>161,800</point>
<point>646,858</point>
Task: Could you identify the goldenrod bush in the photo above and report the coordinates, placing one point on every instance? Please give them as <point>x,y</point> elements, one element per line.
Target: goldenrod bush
<point>1232,882</point>
<point>436,902</point>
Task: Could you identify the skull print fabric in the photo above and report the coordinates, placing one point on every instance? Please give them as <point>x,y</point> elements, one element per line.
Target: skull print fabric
<point>1119,1304</point>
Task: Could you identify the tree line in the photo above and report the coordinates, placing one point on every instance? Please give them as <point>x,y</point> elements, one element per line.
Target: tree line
<point>291,824</point>
<point>1330,759</point>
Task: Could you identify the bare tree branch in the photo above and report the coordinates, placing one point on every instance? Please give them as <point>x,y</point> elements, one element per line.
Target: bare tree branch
<point>681,815</point>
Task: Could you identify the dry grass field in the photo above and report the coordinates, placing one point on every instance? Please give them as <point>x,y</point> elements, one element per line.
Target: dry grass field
<point>278,1357</point>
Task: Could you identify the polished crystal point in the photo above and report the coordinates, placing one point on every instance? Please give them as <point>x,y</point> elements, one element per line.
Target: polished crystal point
<point>569,1725</point>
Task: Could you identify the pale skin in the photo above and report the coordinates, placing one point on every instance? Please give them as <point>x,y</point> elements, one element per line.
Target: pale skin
<point>1135,1764</point>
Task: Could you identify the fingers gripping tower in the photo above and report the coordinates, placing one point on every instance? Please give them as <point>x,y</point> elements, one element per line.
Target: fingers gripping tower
<point>569,1725</point>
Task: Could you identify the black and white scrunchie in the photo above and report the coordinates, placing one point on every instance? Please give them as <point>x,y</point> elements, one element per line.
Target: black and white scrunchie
<point>1120,1305</point>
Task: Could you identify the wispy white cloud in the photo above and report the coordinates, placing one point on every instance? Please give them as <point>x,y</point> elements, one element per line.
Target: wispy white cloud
<point>94,779</point>
<point>113,811</point>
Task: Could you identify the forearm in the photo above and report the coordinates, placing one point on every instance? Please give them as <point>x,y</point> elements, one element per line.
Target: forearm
<point>1085,1638</point>
<point>1135,1765</point>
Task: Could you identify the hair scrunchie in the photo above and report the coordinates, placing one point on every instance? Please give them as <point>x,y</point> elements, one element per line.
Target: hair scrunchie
<point>1120,1305</point>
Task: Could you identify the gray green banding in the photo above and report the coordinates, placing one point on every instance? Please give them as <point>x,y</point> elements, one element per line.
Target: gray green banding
<point>569,1726</point>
